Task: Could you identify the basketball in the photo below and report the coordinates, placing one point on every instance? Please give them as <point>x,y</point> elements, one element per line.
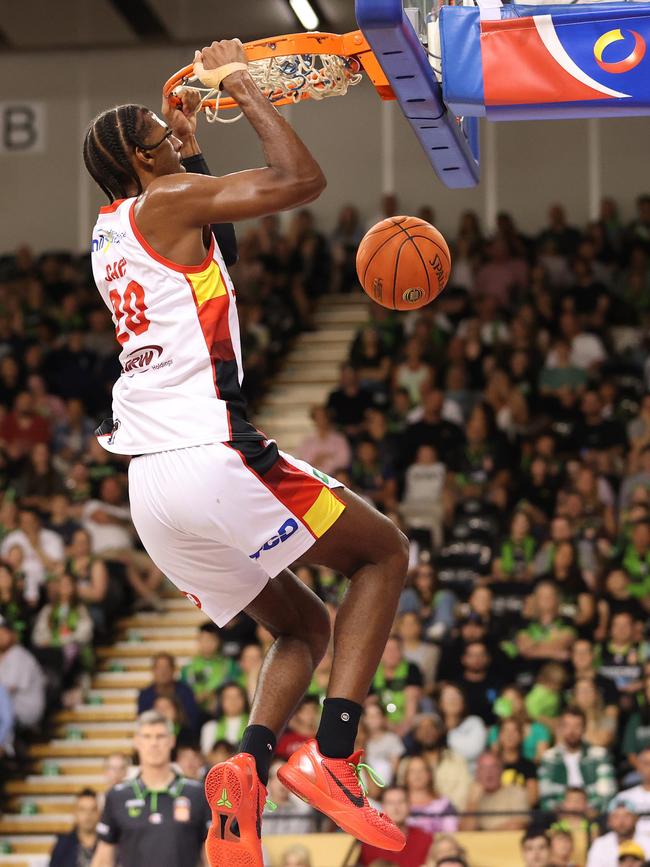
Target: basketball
<point>403,263</point>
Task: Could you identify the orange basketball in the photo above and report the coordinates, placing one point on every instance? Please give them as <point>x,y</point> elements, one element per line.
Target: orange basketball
<point>403,263</point>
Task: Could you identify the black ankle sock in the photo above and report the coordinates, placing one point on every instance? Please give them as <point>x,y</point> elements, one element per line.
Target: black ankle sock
<point>338,727</point>
<point>259,742</point>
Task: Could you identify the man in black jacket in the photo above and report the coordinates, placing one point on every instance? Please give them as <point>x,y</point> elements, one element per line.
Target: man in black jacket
<point>77,848</point>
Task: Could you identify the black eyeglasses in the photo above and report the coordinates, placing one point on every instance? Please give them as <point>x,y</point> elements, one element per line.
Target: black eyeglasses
<point>151,147</point>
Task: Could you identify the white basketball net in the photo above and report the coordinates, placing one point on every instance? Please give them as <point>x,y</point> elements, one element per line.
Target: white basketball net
<point>293,76</point>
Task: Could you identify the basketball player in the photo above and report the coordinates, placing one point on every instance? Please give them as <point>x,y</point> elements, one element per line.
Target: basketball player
<point>219,509</point>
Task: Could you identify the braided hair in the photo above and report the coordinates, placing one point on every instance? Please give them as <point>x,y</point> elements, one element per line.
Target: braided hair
<point>109,145</point>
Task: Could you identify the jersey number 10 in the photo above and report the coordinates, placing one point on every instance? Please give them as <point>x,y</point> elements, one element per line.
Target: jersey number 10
<point>130,312</point>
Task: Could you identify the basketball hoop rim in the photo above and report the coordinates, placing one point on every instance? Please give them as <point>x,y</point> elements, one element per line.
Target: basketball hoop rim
<point>351,45</point>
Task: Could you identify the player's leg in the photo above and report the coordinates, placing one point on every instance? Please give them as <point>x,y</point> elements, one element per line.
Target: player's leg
<point>300,624</point>
<point>367,548</point>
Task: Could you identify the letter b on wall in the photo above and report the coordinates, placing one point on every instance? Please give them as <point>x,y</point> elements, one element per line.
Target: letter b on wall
<point>22,127</point>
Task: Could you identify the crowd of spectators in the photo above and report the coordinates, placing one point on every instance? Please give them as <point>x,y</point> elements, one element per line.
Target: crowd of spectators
<point>505,428</point>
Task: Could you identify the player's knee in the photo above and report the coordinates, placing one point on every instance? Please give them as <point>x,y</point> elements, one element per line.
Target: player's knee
<point>399,557</point>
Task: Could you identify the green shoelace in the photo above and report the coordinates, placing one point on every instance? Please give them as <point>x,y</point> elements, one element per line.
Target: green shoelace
<point>374,776</point>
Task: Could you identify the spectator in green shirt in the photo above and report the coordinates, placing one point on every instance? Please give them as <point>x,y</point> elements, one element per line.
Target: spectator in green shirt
<point>515,558</point>
<point>635,560</point>
<point>547,636</point>
<point>208,670</point>
<point>561,374</point>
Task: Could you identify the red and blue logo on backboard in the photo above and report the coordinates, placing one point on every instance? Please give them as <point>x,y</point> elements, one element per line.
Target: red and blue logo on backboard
<point>633,59</point>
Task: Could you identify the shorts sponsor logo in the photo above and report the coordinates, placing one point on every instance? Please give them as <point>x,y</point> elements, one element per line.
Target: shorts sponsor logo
<point>145,358</point>
<point>114,430</point>
<point>193,599</point>
<point>105,240</point>
<point>287,530</point>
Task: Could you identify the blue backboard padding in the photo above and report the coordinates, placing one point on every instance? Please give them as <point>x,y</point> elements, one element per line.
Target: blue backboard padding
<point>407,68</point>
<point>583,12</point>
<point>577,28</point>
<point>564,110</point>
<point>462,81</point>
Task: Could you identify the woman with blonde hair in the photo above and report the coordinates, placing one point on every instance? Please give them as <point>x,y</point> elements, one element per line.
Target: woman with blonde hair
<point>601,721</point>
<point>428,810</point>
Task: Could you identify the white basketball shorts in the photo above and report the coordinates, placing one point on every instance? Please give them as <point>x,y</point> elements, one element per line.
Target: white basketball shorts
<point>221,519</point>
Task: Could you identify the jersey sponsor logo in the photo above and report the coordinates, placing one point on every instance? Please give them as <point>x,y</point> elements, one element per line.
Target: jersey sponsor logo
<point>182,809</point>
<point>105,240</point>
<point>287,530</point>
<point>144,358</point>
<point>115,270</point>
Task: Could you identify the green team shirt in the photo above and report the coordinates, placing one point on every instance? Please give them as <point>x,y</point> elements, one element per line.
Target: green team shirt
<point>208,674</point>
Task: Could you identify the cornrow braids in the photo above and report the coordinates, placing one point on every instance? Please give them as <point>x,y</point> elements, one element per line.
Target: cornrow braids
<point>108,149</point>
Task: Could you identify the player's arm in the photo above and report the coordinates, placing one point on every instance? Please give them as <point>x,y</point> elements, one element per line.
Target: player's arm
<point>182,118</point>
<point>290,178</point>
<point>104,855</point>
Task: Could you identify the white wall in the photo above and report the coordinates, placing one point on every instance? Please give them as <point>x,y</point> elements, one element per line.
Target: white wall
<point>47,200</point>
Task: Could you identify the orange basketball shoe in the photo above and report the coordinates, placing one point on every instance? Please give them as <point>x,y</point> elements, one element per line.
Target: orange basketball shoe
<point>237,799</point>
<point>335,787</point>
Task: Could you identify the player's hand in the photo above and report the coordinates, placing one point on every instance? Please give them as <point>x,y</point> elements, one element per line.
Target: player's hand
<point>182,118</point>
<point>221,53</point>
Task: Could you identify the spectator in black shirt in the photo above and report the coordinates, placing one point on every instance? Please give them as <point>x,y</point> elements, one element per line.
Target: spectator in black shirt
<point>164,683</point>
<point>348,403</point>
<point>565,237</point>
<point>517,770</point>
<point>432,430</point>
<point>595,433</point>
<point>583,662</point>
<point>479,682</point>
<point>76,849</point>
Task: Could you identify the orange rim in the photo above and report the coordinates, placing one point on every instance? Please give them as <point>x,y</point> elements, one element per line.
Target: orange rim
<point>351,45</point>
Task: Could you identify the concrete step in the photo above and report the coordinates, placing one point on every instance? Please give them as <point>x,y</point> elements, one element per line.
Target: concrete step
<point>320,353</point>
<point>25,860</point>
<point>107,730</point>
<point>298,395</point>
<point>52,823</point>
<point>340,336</point>
<point>71,766</point>
<point>30,844</point>
<point>137,679</point>
<point>352,317</point>
<point>132,663</point>
<point>114,696</point>
<point>97,712</point>
<point>64,785</point>
<point>190,619</point>
<point>62,747</point>
<point>45,804</point>
<point>173,633</point>
<point>175,646</point>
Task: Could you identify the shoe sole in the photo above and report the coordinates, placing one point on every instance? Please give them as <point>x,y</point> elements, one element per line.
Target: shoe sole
<point>308,792</point>
<point>225,783</point>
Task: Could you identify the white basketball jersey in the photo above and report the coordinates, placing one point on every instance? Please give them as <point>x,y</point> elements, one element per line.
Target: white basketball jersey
<point>179,333</point>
